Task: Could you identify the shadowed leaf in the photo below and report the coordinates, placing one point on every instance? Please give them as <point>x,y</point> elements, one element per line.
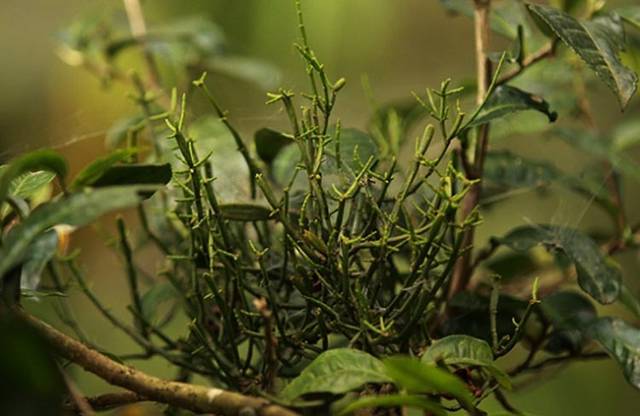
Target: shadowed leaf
<point>622,342</point>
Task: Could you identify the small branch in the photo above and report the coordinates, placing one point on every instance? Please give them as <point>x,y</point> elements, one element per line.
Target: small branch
<point>198,399</point>
<point>109,401</point>
<point>139,30</point>
<point>540,55</point>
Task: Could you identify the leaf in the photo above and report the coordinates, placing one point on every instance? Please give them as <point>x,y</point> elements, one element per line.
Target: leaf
<point>506,100</point>
<point>507,170</point>
<point>24,186</point>
<point>419,377</point>
<point>630,14</point>
<point>601,148</point>
<point>463,350</point>
<point>570,314</point>
<point>595,275</point>
<point>134,174</point>
<point>285,163</point>
<point>269,143</point>
<point>40,252</point>
<point>336,371</point>
<point>47,160</point>
<point>504,20</point>
<point>261,73</point>
<point>630,300</point>
<point>75,210</point>
<point>598,42</point>
<point>393,400</point>
<point>121,129</point>
<point>622,342</point>
<point>356,147</point>
<point>245,212</point>
<point>92,172</point>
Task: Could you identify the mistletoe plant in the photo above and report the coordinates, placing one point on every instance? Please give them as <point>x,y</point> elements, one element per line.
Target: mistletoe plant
<point>324,269</point>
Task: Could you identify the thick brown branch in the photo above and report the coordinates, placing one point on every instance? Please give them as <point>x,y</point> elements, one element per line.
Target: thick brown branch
<point>195,398</point>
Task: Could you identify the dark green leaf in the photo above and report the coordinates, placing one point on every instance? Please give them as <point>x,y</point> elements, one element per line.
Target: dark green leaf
<point>418,377</point>
<point>337,371</point>
<point>39,253</point>
<point>75,210</point>
<point>393,400</point>
<point>622,342</point>
<point>46,160</point>
<point>245,212</point>
<point>569,314</point>
<point>269,143</point>
<point>595,275</point>
<point>96,169</point>
<point>463,350</point>
<point>134,174</point>
<point>285,163</point>
<point>598,42</point>
<point>507,170</point>
<point>506,100</point>
<point>121,129</point>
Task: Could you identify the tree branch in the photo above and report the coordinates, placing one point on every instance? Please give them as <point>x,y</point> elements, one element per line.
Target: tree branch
<point>199,399</point>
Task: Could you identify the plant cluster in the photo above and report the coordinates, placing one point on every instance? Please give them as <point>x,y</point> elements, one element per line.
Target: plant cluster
<point>344,275</point>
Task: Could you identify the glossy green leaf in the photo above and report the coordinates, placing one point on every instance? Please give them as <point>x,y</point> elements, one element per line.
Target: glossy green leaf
<point>269,143</point>
<point>337,371</point>
<point>569,314</point>
<point>96,169</point>
<point>39,160</point>
<point>38,255</point>
<point>393,400</point>
<point>630,14</point>
<point>463,350</point>
<point>506,100</point>
<point>596,275</point>
<point>245,212</point>
<point>75,210</point>
<point>419,377</point>
<point>121,129</point>
<point>598,42</point>
<point>622,342</point>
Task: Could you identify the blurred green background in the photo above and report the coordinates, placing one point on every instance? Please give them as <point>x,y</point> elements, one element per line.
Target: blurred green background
<point>400,45</point>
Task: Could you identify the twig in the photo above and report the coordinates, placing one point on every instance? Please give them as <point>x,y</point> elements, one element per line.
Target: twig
<point>139,30</point>
<point>109,401</point>
<point>543,53</point>
<point>198,399</point>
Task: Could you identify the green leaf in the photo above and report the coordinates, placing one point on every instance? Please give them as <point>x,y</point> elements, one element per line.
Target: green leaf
<point>356,147</point>
<point>598,42</point>
<point>39,253</point>
<point>622,342</point>
<point>337,371</point>
<point>505,16</point>
<point>75,210</point>
<point>419,377</point>
<point>569,314</point>
<point>24,186</point>
<point>596,275</point>
<point>47,160</point>
<point>121,129</point>
<point>269,143</point>
<point>245,212</point>
<point>134,174</point>
<point>463,350</point>
<point>507,170</point>
<point>393,400</point>
<point>506,100</point>
<point>630,14</point>
<point>285,163</point>
<point>94,170</point>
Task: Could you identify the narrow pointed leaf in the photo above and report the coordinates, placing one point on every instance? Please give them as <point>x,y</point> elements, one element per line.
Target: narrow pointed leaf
<point>598,42</point>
